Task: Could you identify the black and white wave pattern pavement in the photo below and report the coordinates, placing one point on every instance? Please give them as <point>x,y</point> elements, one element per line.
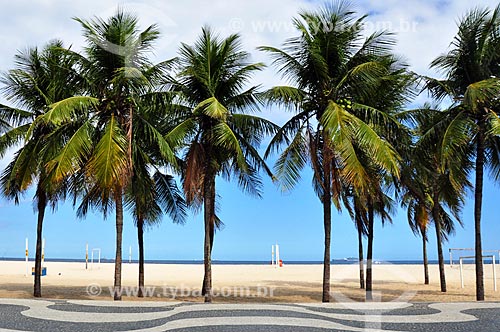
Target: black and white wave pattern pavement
<point>20,315</point>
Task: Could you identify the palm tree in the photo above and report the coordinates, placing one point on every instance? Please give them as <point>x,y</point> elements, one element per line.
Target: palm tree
<point>471,70</point>
<point>419,219</point>
<point>362,207</point>
<point>148,197</point>
<point>374,201</point>
<point>413,194</point>
<point>358,215</point>
<point>395,89</point>
<point>331,70</point>
<point>118,77</point>
<point>362,231</point>
<point>41,77</point>
<point>416,203</point>
<point>218,137</point>
<point>430,191</point>
<point>151,193</point>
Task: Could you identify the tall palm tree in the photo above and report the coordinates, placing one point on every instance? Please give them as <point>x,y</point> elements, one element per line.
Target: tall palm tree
<point>118,75</point>
<point>430,190</point>
<point>393,91</point>
<point>374,201</point>
<point>358,215</point>
<point>148,198</point>
<point>331,69</point>
<point>41,77</point>
<point>151,193</point>
<point>471,81</point>
<point>419,220</point>
<point>218,136</point>
<point>413,195</point>
<point>360,223</point>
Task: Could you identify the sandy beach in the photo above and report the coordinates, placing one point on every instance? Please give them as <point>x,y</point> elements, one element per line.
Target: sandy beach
<point>242,283</point>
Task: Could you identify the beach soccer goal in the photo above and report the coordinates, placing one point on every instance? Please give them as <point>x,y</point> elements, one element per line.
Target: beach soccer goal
<point>457,249</point>
<point>98,251</point>
<point>493,257</point>
<point>472,249</point>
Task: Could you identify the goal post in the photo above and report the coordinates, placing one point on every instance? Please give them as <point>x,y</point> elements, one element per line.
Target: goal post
<point>493,258</point>
<point>493,252</point>
<point>98,251</point>
<point>497,251</point>
<point>457,249</point>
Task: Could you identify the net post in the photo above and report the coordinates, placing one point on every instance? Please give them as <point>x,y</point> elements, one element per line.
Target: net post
<point>277,255</point>
<point>26,257</point>
<point>272,255</point>
<point>494,274</point>
<point>461,273</point>
<point>43,251</point>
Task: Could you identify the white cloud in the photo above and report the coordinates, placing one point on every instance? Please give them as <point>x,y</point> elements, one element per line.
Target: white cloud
<point>261,22</point>
<point>25,23</point>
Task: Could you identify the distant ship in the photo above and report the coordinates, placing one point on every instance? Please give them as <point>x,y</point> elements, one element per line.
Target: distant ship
<point>345,259</point>
<point>351,259</point>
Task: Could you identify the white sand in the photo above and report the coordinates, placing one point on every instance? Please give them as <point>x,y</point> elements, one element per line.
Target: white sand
<point>291,283</point>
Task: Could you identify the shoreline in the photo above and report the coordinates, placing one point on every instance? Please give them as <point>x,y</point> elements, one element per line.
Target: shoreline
<point>231,262</point>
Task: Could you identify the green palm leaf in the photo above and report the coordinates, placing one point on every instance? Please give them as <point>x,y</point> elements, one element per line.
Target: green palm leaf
<point>481,93</point>
<point>66,110</point>
<point>12,137</point>
<point>226,139</point>
<point>109,162</point>
<point>289,97</point>
<point>73,155</point>
<point>291,162</point>
<point>213,108</point>
<point>345,128</point>
<point>170,197</point>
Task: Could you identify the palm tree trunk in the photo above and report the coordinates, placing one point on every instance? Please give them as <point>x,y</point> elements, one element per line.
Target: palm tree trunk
<point>209,218</point>
<point>118,257</point>
<point>361,259</point>
<point>140,238</point>
<point>212,233</point>
<point>327,221</point>
<point>327,213</point>
<point>478,200</point>
<point>41,205</point>
<point>439,240</point>
<point>369,254</point>
<point>426,261</point>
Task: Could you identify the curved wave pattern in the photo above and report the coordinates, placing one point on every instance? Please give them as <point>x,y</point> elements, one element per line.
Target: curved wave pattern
<point>357,317</point>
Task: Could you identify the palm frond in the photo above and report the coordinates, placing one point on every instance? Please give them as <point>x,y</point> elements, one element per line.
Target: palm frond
<point>72,156</point>
<point>67,109</point>
<point>170,197</point>
<point>291,162</point>
<point>212,108</point>
<point>109,164</point>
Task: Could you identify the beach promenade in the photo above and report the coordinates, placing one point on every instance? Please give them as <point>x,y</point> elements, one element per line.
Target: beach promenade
<point>18,315</point>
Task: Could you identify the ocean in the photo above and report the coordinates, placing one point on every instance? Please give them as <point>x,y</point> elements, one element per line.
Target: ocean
<point>342,261</point>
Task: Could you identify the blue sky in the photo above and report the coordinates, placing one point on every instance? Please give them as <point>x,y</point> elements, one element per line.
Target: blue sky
<point>251,225</point>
